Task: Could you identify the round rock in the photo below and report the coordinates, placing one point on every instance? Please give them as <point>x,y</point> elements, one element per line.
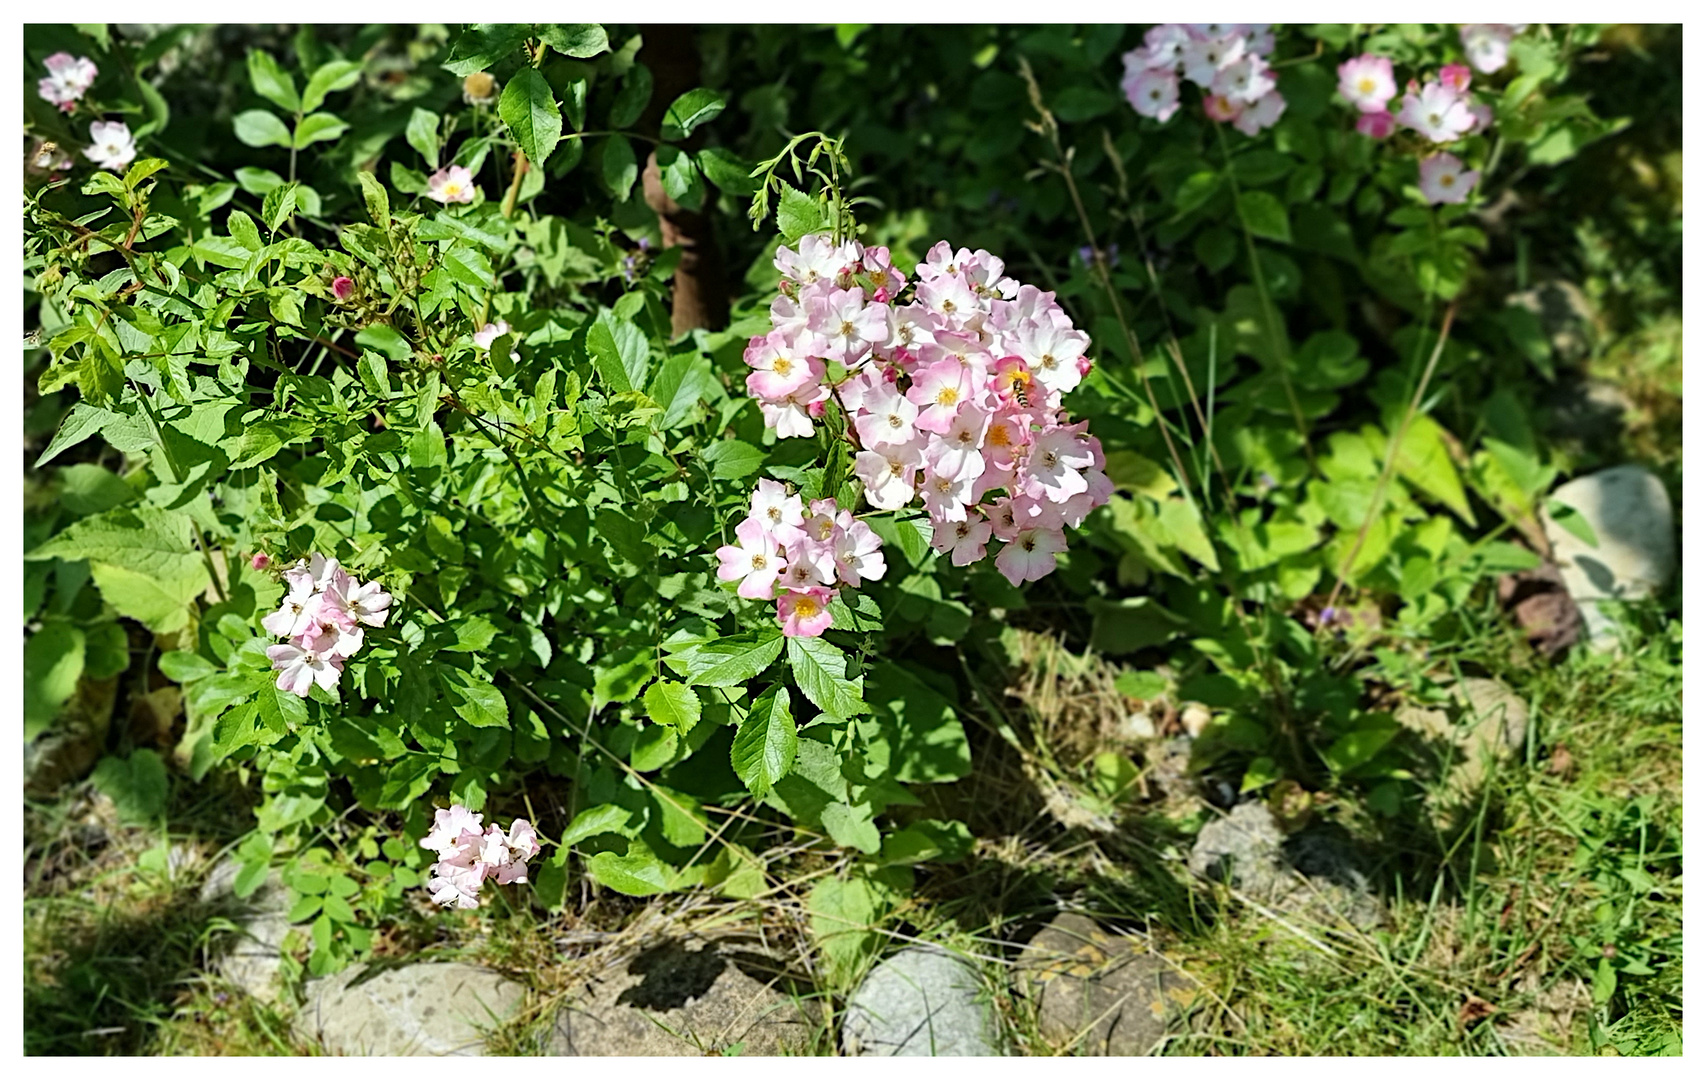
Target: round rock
<point>921,1002</point>
<point>1633,552</point>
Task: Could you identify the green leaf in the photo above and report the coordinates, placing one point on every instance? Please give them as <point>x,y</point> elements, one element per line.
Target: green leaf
<point>632,99</point>
<point>619,167</point>
<point>422,134</point>
<point>483,45</point>
<point>1264,215</point>
<point>605,818</point>
<point>843,915</point>
<point>820,671</point>
<point>1425,462</point>
<point>638,873</point>
<point>244,230</point>
<point>142,560</point>
<point>318,127</point>
<point>654,747</point>
<point>277,207</point>
<point>328,78</point>
<point>258,128</point>
<point>86,489</point>
<point>136,785</point>
<point>271,82</point>
<point>729,173</point>
<point>377,199</point>
<point>680,177</point>
<point>81,422</point>
<point>185,667</point>
<point>385,339</point>
<point>579,40</point>
<point>532,114</point>
<point>765,743</point>
<point>689,111</point>
<point>620,352</point>
<point>733,660</point>
<point>798,214</point>
<point>671,703</point>
<point>731,459</point>
<point>53,662</point>
<point>478,702</point>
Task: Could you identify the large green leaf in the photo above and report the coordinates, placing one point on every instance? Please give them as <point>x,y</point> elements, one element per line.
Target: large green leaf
<point>330,77</point>
<point>142,559</point>
<point>53,662</point>
<point>532,114</point>
<point>765,742</point>
<point>671,703</point>
<point>271,82</point>
<point>729,661</point>
<point>638,873</point>
<point>820,671</point>
<point>258,128</point>
<point>1264,215</point>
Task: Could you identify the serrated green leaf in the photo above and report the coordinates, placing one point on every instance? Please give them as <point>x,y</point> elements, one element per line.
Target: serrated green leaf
<point>378,201</point>
<point>671,703</point>
<point>820,671</point>
<point>766,742</point>
<point>729,173</point>
<point>729,661</point>
<point>1264,215</point>
<point>531,113</point>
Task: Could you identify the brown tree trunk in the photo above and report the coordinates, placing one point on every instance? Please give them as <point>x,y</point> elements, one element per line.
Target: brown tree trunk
<point>701,299</point>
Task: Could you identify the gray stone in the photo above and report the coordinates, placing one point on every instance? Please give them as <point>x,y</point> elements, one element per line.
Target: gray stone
<point>921,1002</point>
<point>1314,875</point>
<point>1634,554</point>
<point>688,997</point>
<point>1099,993</point>
<point>420,1010</point>
<point>248,955</point>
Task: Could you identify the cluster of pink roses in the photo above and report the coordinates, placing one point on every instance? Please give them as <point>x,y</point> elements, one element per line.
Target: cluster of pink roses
<point>953,395</point>
<point>322,614</point>
<point>1441,110</point>
<point>467,856</point>
<point>1227,60</point>
<point>810,555</point>
<point>68,79</point>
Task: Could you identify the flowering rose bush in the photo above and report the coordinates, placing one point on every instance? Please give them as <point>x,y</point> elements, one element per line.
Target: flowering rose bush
<point>395,309</point>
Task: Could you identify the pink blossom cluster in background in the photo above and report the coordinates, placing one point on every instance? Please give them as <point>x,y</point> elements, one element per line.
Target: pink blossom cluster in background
<point>1227,60</point>
<point>467,856</point>
<point>68,79</point>
<point>1488,45</point>
<point>953,393</point>
<point>323,613</point>
<point>808,551</point>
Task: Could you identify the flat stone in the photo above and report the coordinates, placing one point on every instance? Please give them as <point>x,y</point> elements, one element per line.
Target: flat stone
<point>249,956</point>
<point>1099,993</point>
<point>1634,555</point>
<point>420,1010</point>
<point>688,997</point>
<point>921,1002</point>
<point>1312,874</point>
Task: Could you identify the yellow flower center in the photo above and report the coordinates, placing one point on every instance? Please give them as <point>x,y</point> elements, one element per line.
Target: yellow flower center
<point>998,436</point>
<point>1366,86</point>
<point>806,607</point>
<point>1447,180</point>
<point>947,396</point>
<point>453,189</point>
<point>759,562</point>
<point>782,365</point>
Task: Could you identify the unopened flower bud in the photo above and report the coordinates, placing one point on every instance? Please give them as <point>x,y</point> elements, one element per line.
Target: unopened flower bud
<point>342,288</point>
<point>259,561</point>
<point>479,88</point>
